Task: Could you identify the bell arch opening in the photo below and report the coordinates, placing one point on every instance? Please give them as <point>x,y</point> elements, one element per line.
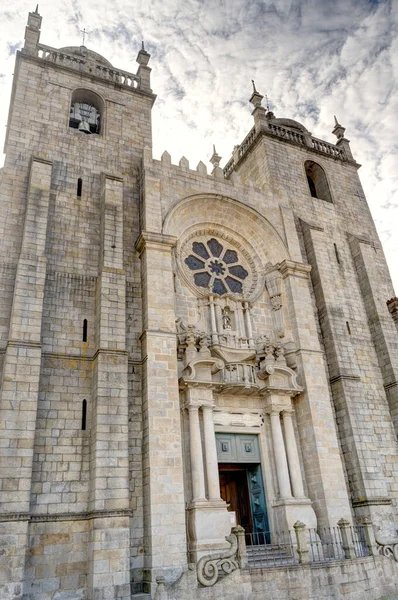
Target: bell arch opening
<point>86,111</point>
<point>317,182</point>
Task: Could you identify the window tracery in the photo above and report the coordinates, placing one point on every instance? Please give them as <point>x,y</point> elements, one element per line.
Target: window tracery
<point>216,267</point>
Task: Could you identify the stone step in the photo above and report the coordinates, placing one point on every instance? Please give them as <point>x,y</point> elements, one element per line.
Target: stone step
<point>269,555</point>
<point>268,551</point>
<point>141,596</point>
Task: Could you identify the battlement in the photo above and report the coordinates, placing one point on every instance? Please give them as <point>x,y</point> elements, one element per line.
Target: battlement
<point>182,168</point>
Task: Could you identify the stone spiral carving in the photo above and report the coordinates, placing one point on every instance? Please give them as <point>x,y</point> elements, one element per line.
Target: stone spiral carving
<point>210,567</point>
<point>388,548</point>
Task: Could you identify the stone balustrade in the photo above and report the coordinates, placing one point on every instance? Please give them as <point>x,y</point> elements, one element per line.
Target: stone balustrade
<point>77,63</point>
<point>239,373</point>
<point>327,148</point>
<point>286,134</point>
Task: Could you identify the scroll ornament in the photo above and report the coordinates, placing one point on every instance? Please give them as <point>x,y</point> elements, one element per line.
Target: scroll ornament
<point>210,567</point>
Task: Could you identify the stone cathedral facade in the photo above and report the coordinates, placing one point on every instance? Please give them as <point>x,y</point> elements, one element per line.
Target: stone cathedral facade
<point>185,352</point>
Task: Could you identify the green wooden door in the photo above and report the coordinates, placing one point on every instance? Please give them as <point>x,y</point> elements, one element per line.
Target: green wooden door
<point>258,505</point>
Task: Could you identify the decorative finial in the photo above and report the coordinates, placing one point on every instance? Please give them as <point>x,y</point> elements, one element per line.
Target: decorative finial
<point>37,9</point>
<point>255,97</point>
<point>215,159</point>
<point>143,56</point>
<point>338,129</point>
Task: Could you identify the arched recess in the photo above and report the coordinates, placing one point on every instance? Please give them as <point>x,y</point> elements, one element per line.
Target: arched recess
<point>255,239</point>
<point>317,181</point>
<point>87,111</point>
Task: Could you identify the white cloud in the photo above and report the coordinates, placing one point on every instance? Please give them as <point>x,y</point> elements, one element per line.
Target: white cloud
<point>313,58</point>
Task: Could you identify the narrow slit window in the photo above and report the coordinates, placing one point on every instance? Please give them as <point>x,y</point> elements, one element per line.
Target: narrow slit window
<point>85,330</point>
<point>348,327</point>
<point>79,187</point>
<point>84,415</point>
<point>336,253</point>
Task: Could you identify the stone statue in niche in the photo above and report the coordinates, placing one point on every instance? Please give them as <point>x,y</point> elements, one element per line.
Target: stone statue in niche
<point>226,319</point>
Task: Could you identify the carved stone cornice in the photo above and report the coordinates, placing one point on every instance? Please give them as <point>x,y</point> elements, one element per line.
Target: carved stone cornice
<point>80,516</point>
<point>297,269</point>
<point>159,241</point>
<point>357,502</point>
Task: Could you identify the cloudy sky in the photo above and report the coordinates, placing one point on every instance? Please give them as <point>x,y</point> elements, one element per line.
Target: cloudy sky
<point>313,58</point>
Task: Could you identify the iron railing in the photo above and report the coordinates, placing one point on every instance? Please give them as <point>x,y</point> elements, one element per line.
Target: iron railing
<point>322,545</point>
<point>325,544</point>
<point>268,549</point>
<point>359,541</point>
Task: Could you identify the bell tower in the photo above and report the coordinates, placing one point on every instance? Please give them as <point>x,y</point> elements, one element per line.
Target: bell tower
<point>76,131</point>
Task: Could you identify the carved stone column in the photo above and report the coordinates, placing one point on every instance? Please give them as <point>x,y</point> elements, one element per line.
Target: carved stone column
<point>214,335</point>
<point>220,328</point>
<point>195,444</point>
<point>213,482</point>
<point>248,322</point>
<point>208,517</point>
<point>292,455</point>
<point>280,386</point>
<point>282,471</point>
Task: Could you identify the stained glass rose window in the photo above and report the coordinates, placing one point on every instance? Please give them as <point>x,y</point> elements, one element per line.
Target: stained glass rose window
<point>216,267</point>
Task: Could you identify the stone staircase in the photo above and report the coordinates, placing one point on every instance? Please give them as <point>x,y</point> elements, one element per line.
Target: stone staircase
<point>270,555</point>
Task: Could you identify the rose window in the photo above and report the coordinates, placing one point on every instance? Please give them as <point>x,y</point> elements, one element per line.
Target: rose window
<point>216,267</point>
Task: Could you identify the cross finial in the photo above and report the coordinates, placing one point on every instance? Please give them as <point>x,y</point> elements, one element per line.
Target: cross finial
<point>84,32</point>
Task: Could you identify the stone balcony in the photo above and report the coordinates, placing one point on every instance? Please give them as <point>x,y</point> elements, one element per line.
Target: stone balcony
<point>238,378</point>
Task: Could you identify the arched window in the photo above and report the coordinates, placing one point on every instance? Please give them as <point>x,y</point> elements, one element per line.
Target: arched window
<point>317,182</point>
<point>86,111</point>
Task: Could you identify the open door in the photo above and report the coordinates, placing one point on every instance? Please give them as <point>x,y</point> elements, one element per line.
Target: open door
<point>258,505</point>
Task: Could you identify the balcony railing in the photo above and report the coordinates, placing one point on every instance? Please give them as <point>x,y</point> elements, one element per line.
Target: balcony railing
<point>238,378</point>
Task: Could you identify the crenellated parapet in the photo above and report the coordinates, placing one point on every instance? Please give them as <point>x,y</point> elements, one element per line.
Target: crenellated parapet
<point>166,167</point>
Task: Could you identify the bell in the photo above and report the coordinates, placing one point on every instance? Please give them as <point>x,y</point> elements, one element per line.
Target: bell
<point>84,126</point>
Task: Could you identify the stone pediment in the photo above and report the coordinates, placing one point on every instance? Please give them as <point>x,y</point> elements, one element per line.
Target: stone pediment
<point>279,379</point>
<point>202,369</point>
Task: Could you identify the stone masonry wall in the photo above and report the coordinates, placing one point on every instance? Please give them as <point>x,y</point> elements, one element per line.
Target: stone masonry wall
<point>360,360</point>
<point>60,451</point>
